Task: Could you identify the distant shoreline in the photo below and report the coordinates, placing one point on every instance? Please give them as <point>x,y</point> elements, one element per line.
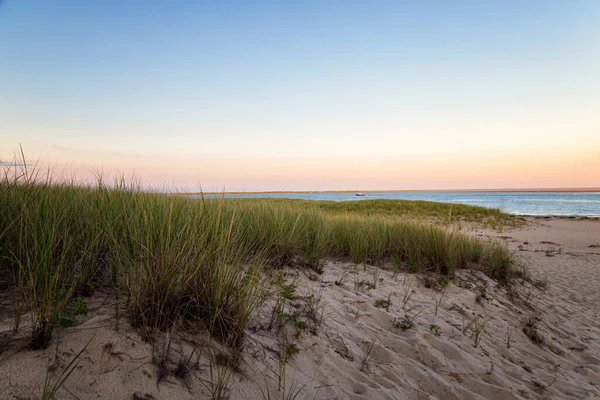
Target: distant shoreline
<point>538,190</point>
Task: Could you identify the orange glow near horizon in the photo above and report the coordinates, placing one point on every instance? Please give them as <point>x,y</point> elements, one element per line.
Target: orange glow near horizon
<point>558,169</point>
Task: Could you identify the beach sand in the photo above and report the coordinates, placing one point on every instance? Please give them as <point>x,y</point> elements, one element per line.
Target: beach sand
<point>536,340</point>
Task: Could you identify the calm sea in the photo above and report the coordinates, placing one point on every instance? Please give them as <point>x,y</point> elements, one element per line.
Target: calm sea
<point>529,203</point>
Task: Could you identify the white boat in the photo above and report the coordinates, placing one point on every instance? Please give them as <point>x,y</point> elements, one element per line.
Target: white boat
<point>360,194</point>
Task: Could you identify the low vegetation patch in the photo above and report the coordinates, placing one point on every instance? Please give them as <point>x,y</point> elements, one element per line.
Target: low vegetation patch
<point>383,303</point>
<point>435,329</point>
<point>421,210</point>
<point>404,324</point>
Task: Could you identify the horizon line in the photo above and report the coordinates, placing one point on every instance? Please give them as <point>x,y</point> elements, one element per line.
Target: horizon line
<point>506,190</point>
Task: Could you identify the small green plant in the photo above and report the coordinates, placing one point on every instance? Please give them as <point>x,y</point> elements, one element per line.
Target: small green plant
<point>477,326</point>
<point>435,329</point>
<point>80,307</point>
<point>436,282</point>
<point>294,320</point>
<point>288,291</point>
<point>408,321</point>
<point>315,308</point>
<point>519,273</point>
<point>383,303</point>
<point>404,324</point>
<point>291,350</point>
<point>287,351</point>
<point>466,285</point>
<point>75,307</point>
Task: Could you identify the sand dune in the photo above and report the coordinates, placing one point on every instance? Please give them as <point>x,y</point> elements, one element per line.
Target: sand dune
<point>475,339</point>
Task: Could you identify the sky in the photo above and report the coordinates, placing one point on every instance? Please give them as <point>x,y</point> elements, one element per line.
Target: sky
<point>305,95</point>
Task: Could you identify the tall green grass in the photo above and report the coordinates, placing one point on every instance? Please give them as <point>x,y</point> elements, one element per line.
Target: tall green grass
<point>421,210</point>
<point>171,260</point>
<point>285,232</point>
<point>174,260</point>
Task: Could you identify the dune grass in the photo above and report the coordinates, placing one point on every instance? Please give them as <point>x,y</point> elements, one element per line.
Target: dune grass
<point>193,262</point>
<point>417,210</point>
<point>282,232</point>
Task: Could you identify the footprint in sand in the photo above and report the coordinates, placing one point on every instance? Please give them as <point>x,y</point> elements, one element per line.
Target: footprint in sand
<point>339,346</point>
<point>381,355</point>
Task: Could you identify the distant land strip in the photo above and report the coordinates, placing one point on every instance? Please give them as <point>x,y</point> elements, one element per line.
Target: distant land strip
<point>532,190</point>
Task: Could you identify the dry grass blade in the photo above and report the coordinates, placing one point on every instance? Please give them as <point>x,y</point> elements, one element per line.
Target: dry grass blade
<point>50,388</point>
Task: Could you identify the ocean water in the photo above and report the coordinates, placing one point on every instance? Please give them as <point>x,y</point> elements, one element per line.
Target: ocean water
<point>526,203</point>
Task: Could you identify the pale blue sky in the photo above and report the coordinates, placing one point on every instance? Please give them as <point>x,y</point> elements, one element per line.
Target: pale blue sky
<point>306,95</point>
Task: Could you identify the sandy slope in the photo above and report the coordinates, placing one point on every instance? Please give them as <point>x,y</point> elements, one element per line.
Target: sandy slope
<point>356,352</point>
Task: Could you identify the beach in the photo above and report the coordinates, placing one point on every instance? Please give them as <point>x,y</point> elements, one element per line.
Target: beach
<point>300,200</point>
<point>378,334</point>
